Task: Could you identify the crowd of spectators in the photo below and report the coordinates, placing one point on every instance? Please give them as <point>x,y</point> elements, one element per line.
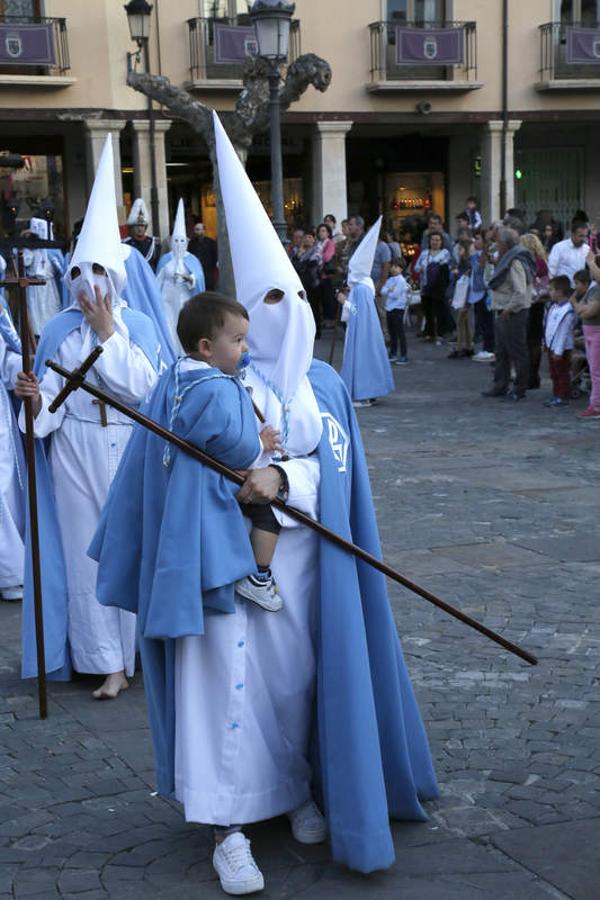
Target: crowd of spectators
<point>505,294</point>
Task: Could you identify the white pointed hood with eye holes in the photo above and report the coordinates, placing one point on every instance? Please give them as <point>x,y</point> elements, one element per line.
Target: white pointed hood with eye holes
<point>281,336</point>
<point>179,241</point>
<point>361,261</point>
<point>99,239</point>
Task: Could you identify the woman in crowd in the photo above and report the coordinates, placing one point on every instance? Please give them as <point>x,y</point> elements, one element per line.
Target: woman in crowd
<point>309,266</point>
<point>539,296</point>
<point>433,266</point>
<point>326,246</point>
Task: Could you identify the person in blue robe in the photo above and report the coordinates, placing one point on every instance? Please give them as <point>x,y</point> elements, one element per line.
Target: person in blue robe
<point>370,756</point>
<point>365,368</point>
<point>12,465</point>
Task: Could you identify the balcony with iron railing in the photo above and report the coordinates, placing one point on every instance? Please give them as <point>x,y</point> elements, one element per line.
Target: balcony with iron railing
<point>569,57</point>
<point>416,56</point>
<point>218,51</point>
<point>34,51</point>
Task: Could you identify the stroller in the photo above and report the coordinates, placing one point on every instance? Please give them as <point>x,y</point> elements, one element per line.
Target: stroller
<point>581,381</point>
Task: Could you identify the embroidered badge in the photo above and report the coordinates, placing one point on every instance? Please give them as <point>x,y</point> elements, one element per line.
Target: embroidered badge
<point>338,440</point>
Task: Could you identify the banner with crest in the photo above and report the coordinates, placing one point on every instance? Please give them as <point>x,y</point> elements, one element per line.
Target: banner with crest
<point>429,46</point>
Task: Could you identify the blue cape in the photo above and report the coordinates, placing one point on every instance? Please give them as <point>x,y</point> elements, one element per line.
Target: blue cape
<point>7,328</point>
<point>191,543</point>
<point>371,756</point>
<point>193,264</point>
<point>54,581</point>
<point>365,368</point>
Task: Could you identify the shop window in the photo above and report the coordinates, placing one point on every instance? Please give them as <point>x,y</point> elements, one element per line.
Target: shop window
<point>410,194</point>
<point>28,191</point>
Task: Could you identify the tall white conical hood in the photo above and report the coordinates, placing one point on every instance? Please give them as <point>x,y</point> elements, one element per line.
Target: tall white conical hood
<point>281,336</point>
<point>99,239</point>
<point>139,213</point>
<point>361,261</point>
<point>179,239</point>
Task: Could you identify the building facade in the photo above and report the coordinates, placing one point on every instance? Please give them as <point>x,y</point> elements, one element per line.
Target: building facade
<point>424,108</point>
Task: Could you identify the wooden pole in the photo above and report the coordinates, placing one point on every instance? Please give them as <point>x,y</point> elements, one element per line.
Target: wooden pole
<point>25,330</point>
<point>296,514</point>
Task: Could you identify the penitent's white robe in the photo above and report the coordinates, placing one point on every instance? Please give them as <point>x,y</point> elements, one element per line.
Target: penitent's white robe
<point>12,479</point>
<point>44,301</point>
<point>244,690</point>
<point>84,457</point>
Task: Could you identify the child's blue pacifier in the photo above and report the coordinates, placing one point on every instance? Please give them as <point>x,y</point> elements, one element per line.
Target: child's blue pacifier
<point>243,361</point>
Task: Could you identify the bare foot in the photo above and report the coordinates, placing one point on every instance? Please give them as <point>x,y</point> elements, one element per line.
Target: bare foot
<point>112,687</point>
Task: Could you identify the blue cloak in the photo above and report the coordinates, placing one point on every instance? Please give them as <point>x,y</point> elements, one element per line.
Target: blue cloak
<point>192,543</point>
<point>365,368</point>
<point>193,264</point>
<point>371,756</point>
<point>54,580</point>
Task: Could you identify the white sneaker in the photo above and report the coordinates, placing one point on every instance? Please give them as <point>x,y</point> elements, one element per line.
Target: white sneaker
<point>484,356</point>
<point>360,404</point>
<point>265,593</point>
<point>12,593</point>
<point>235,866</point>
<point>308,825</point>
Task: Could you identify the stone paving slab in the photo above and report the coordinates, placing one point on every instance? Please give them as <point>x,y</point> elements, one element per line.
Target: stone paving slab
<point>567,858</point>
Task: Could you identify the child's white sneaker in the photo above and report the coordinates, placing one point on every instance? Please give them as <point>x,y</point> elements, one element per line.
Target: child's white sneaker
<point>235,866</point>
<point>308,825</point>
<point>264,593</point>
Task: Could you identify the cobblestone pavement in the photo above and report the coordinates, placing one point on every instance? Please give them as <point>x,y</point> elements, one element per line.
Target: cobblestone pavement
<point>494,507</point>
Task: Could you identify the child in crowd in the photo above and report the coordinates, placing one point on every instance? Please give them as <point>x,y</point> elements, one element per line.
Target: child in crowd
<point>396,293</point>
<point>586,303</point>
<point>212,331</point>
<point>558,339</point>
<point>472,213</point>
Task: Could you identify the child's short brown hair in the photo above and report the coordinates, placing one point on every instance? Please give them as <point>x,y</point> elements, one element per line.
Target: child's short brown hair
<point>203,315</point>
<point>562,284</point>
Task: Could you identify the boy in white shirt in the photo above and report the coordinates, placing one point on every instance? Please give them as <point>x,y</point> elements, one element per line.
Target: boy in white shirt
<point>559,341</point>
<point>396,293</point>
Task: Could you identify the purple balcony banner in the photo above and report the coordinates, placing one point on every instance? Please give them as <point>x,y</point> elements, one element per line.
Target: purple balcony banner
<point>583,45</point>
<point>26,45</point>
<point>234,43</point>
<point>427,46</point>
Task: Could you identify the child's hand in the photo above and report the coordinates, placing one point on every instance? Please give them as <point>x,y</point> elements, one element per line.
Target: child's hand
<point>341,298</point>
<point>269,439</point>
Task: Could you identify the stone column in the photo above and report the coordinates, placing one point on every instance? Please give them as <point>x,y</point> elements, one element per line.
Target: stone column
<point>491,167</point>
<point>96,131</point>
<point>329,170</point>
<point>142,170</point>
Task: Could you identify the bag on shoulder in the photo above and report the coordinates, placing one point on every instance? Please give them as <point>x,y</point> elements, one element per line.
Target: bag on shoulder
<point>461,292</point>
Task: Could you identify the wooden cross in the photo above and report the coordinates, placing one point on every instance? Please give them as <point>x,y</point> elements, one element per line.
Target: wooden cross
<point>102,408</point>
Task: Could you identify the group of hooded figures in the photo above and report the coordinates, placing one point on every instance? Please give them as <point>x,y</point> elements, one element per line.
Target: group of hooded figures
<point>253,714</point>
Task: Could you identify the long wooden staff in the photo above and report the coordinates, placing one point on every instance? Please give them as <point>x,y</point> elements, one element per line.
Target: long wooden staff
<point>74,382</point>
<point>26,344</point>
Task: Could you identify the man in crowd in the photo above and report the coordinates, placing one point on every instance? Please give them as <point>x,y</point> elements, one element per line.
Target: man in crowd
<point>204,248</point>
<point>295,250</point>
<point>144,243</point>
<point>511,287</point>
<point>568,256</point>
<point>435,225</point>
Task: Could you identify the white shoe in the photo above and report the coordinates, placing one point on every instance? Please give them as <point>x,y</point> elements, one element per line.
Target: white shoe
<point>235,866</point>
<point>360,404</point>
<point>12,593</point>
<point>264,594</point>
<point>308,825</point>
<point>484,356</point>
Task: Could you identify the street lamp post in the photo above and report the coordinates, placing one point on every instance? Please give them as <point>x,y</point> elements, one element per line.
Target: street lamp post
<point>138,19</point>
<point>272,19</point>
